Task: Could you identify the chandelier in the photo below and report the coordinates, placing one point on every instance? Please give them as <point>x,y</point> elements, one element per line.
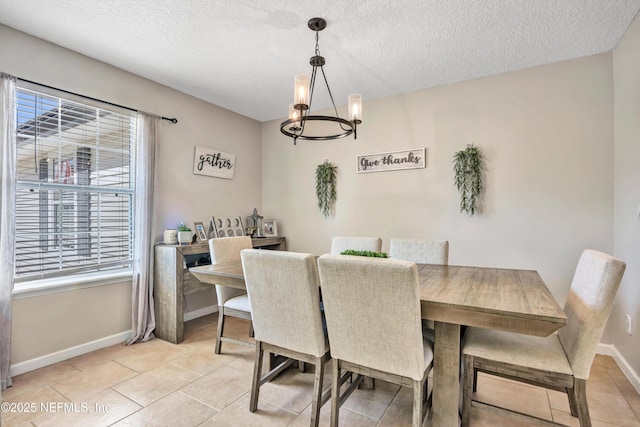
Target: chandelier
<point>300,124</point>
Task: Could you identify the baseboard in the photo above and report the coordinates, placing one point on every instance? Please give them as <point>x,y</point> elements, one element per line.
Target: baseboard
<point>627,370</point>
<point>200,312</point>
<point>68,353</point>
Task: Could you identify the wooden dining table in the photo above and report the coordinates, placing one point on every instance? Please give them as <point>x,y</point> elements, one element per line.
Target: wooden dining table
<point>452,296</point>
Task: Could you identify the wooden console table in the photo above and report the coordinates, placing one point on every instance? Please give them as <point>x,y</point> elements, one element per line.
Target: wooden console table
<point>172,281</point>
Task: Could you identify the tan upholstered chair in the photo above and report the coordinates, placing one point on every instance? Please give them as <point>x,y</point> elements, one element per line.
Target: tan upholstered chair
<point>285,303</point>
<point>231,301</point>
<point>560,361</point>
<point>342,243</point>
<point>372,310</point>
<point>421,251</point>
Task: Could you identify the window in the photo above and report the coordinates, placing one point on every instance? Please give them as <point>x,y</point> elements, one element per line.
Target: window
<point>75,187</point>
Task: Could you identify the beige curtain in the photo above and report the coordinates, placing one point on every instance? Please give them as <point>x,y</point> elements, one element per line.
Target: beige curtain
<point>7,218</point>
<point>143,318</point>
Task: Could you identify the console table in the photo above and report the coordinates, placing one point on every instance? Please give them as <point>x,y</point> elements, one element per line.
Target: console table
<point>172,281</point>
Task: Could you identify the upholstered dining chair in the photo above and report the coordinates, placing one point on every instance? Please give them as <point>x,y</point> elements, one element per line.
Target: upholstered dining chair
<point>421,251</point>
<point>231,302</point>
<point>358,243</point>
<point>560,361</point>
<point>372,310</point>
<point>285,304</point>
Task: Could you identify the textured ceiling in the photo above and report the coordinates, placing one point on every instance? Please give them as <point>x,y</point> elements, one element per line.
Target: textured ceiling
<point>243,54</point>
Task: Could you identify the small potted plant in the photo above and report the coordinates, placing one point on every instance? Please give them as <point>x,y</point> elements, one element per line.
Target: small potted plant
<point>185,235</point>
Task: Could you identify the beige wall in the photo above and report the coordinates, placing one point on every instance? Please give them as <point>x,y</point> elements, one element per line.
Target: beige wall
<point>40,327</point>
<point>626,66</point>
<point>547,134</point>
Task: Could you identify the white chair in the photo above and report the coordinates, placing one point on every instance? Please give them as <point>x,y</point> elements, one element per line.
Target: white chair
<point>231,301</point>
<point>420,251</point>
<point>342,243</point>
<point>560,361</point>
<point>285,303</point>
<point>372,310</point>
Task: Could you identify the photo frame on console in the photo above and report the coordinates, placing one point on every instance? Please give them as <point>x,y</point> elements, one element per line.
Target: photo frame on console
<point>201,232</point>
<point>270,228</point>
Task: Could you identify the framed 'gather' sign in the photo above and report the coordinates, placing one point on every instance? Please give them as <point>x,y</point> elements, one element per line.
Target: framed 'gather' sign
<point>393,160</point>
<point>212,162</point>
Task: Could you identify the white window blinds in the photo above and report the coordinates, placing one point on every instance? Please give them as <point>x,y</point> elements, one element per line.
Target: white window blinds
<point>75,185</point>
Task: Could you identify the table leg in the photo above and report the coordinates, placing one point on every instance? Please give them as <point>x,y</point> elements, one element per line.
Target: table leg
<point>446,375</point>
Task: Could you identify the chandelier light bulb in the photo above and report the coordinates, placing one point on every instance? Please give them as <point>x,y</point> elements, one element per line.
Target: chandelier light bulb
<point>355,108</point>
<point>301,94</point>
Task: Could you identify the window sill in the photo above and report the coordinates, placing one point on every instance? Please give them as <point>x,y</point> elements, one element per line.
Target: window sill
<point>65,284</point>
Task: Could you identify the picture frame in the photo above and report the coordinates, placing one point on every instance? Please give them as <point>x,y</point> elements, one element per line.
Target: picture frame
<point>225,227</point>
<point>270,228</point>
<point>201,232</point>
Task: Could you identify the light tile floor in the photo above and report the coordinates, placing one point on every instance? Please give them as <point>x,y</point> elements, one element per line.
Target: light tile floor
<point>161,384</point>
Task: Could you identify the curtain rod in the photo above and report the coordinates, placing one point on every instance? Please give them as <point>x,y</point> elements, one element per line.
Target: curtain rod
<point>172,120</point>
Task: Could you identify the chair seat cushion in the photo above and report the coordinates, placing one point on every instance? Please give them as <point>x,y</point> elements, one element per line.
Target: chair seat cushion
<point>543,353</point>
<point>241,302</point>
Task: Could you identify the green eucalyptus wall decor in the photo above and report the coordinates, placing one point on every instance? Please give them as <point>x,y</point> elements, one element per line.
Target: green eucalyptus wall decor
<point>326,181</point>
<point>468,167</point>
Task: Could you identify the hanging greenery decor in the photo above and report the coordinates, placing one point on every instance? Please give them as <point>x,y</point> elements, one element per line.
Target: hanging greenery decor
<point>468,166</point>
<point>326,181</point>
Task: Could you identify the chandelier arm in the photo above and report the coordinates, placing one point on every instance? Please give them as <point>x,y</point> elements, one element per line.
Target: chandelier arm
<point>335,109</point>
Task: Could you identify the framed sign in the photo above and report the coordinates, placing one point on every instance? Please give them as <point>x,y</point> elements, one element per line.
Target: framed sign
<point>212,162</point>
<point>225,227</point>
<point>393,160</point>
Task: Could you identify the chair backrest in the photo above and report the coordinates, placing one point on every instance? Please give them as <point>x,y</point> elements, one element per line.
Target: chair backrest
<point>372,309</point>
<point>342,243</point>
<point>421,251</point>
<point>227,249</point>
<point>593,289</point>
<point>285,299</point>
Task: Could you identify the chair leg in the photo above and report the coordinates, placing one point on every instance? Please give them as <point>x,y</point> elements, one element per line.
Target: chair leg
<point>251,329</point>
<point>257,372</point>
<point>468,387</point>
<point>317,392</point>
<point>475,380</point>
<point>417,403</point>
<point>573,404</point>
<point>220,329</point>
<point>335,393</point>
<point>580,393</point>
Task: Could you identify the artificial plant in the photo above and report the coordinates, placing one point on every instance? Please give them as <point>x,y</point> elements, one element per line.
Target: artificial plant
<point>326,181</point>
<point>468,167</point>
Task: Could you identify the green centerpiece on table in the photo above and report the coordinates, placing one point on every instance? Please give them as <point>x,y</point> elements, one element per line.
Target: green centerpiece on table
<point>371,254</point>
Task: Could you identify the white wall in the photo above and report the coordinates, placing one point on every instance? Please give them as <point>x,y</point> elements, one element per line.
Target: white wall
<point>546,132</point>
<point>626,66</point>
<point>182,196</point>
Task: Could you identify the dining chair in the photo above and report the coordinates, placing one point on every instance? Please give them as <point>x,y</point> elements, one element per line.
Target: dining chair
<point>285,304</point>
<point>421,251</point>
<point>560,361</point>
<point>372,310</point>
<point>358,243</point>
<point>231,302</point>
